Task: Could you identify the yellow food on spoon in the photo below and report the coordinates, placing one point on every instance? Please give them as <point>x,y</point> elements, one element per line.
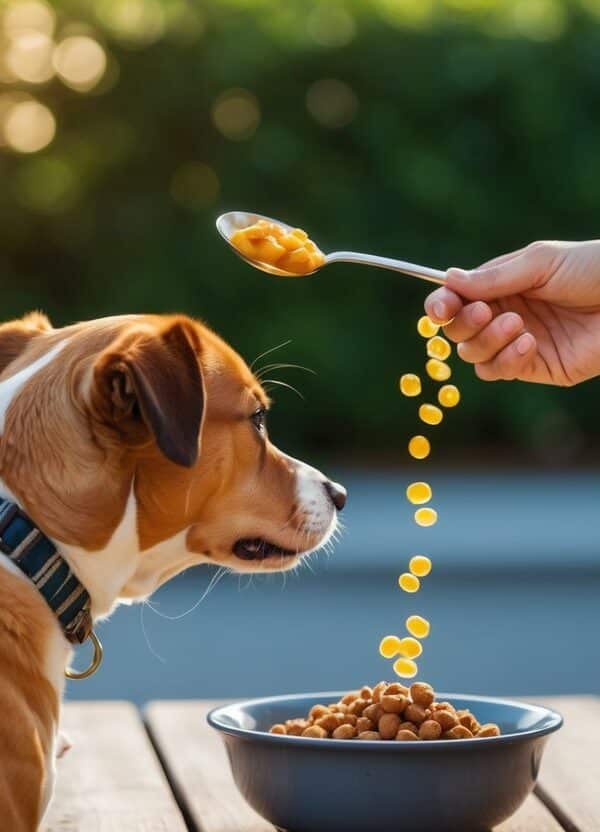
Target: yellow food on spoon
<point>273,245</point>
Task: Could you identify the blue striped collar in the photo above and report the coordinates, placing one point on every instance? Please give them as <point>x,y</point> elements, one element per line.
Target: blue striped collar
<point>36,556</point>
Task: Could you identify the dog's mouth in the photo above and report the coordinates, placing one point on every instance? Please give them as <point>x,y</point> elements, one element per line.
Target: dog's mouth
<point>257,548</point>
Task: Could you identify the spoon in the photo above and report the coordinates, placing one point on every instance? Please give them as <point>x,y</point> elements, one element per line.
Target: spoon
<point>232,221</point>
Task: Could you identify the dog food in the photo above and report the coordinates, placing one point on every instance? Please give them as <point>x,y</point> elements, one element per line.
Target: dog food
<point>408,582</point>
<point>417,626</point>
<point>438,347</point>
<point>430,414</point>
<point>270,243</point>
<point>420,565</point>
<point>426,516</point>
<point>437,370</point>
<point>418,492</point>
<point>410,384</point>
<point>408,647</point>
<point>448,395</point>
<point>419,447</point>
<point>426,328</point>
<point>389,712</point>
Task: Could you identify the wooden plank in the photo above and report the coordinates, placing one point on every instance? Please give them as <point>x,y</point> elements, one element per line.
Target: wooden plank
<point>569,782</point>
<point>196,762</point>
<point>110,780</point>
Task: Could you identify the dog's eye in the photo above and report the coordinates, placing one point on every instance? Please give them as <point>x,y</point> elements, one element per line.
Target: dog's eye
<point>259,418</point>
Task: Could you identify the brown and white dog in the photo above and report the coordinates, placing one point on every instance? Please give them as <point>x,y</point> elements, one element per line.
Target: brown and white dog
<point>138,445</point>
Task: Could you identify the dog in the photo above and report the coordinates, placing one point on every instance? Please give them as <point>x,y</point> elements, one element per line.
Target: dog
<point>131,448</point>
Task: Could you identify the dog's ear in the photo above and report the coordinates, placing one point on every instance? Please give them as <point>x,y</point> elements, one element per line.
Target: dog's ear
<point>150,380</point>
<point>15,335</point>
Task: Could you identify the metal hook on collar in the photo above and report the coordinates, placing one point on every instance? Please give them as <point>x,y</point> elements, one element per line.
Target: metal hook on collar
<point>95,663</point>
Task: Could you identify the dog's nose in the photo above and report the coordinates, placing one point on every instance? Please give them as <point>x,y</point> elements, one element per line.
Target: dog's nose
<point>337,493</point>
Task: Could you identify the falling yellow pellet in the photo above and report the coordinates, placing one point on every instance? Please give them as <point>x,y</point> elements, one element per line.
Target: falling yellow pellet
<point>430,414</point>
<point>408,582</point>
<point>438,370</point>
<point>389,646</point>
<point>419,447</point>
<point>438,347</point>
<point>405,668</point>
<point>449,395</point>
<point>420,565</point>
<point>410,384</point>
<point>425,516</point>
<point>419,492</point>
<point>426,327</point>
<point>417,626</point>
<point>410,648</point>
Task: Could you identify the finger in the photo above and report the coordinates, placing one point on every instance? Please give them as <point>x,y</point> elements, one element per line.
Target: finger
<point>511,277</point>
<point>442,305</point>
<point>492,339</point>
<point>497,261</point>
<point>469,321</point>
<point>512,362</point>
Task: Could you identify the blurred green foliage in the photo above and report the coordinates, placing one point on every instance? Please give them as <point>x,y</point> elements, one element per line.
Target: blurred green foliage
<point>455,131</point>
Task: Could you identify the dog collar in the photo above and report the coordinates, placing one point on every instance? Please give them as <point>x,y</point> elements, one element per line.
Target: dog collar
<point>37,557</point>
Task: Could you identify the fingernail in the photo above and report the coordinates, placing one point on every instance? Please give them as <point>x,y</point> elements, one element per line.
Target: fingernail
<point>525,343</point>
<point>510,325</point>
<point>460,349</point>
<point>439,310</point>
<point>480,313</point>
<point>459,274</point>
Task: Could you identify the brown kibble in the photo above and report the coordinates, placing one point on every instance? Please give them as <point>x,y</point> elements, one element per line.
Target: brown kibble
<point>317,711</point>
<point>344,732</point>
<point>415,713</point>
<point>296,726</point>
<point>378,690</point>
<point>348,719</point>
<point>278,729</point>
<point>467,719</point>
<point>444,706</point>
<point>394,703</point>
<point>358,706</point>
<point>490,729</point>
<point>395,688</point>
<point>421,694</point>
<point>404,736</point>
<point>339,708</point>
<point>363,724</point>
<point>408,726</point>
<point>430,730</point>
<point>366,692</point>
<point>459,732</point>
<point>315,731</point>
<point>369,735</point>
<point>446,719</point>
<point>373,712</point>
<point>388,726</point>
<point>350,697</point>
<point>329,722</point>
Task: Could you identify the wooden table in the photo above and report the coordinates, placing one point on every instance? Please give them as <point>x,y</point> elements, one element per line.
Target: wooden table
<point>166,771</point>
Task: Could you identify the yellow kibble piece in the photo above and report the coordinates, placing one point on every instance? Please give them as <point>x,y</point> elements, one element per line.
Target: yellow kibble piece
<point>425,516</point>
<point>438,370</point>
<point>417,626</point>
<point>405,668</point>
<point>419,447</point>
<point>410,384</point>
<point>420,565</point>
<point>410,648</point>
<point>430,414</point>
<point>449,395</point>
<point>408,582</point>
<point>438,347</point>
<point>426,327</point>
<point>389,646</point>
<point>419,492</point>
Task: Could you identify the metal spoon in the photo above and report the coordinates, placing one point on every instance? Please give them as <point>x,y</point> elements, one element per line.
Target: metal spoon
<point>232,221</point>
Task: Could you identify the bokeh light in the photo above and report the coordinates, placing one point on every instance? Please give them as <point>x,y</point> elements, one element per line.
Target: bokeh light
<point>332,103</point>
<point>29,16</point>
<point>29,126</point>
<point>80,62</point>
<point>236,114</point>
<point>29,57</point>
<point>134,22</point>
<point>195,185</point>
<point>330,25</point>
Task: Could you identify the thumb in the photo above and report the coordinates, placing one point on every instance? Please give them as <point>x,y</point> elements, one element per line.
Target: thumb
<point>511,277</point>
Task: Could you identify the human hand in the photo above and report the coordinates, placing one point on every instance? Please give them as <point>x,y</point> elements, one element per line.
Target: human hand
<point>533,314</point>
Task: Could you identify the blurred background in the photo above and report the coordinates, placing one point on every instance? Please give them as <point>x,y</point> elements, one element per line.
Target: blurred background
<point>439,131</point>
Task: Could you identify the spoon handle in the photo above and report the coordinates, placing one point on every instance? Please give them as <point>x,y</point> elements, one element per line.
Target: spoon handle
<point>424,272</point>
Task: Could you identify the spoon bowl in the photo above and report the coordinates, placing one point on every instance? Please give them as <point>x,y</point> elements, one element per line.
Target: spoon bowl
<point>232,221</point>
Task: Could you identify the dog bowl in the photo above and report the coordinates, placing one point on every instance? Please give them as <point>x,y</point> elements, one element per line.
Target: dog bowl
<point>302,784</point>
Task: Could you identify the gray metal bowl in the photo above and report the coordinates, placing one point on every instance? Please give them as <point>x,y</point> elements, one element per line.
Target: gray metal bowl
<point>301,784</point>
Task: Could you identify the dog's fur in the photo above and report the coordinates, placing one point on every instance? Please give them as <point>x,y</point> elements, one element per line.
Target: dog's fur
<point>135,443</point>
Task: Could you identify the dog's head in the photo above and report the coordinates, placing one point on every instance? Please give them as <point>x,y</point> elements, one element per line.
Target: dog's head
<point>161,415</point>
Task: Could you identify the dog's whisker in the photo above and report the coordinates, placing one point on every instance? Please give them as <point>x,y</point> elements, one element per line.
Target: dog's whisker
<point>145,633</point>
<point>282,384</point>
<point>268,352</point>
<point>221,571</point>
<point>259,373</point>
